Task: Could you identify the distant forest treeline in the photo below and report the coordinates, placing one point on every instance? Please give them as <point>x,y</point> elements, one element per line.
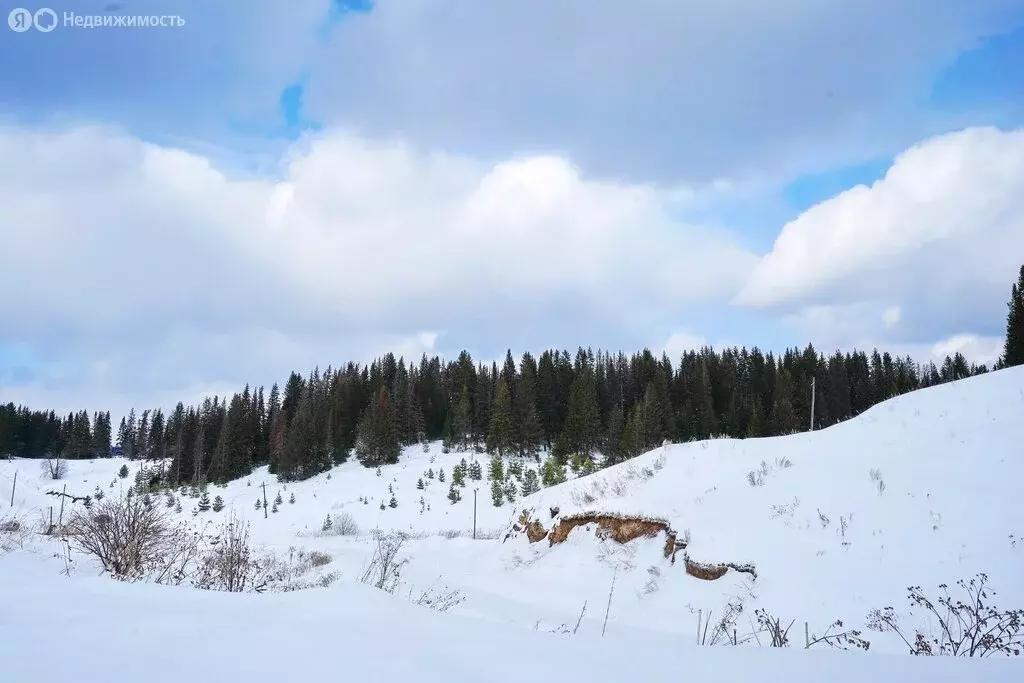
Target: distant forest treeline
<point>615,405</point>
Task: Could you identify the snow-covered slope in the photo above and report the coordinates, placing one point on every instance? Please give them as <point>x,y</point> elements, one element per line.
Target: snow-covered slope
<point>56,630</point>
<point>921,490</point>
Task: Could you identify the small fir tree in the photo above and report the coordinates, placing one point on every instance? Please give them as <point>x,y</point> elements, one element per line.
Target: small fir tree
<point>204,502</point>
<point>552,472</point>
<point>327,525</point>
<point>497,469</point>
<point>123,472</point>
<point>274,508</point>
<point>291,498</point>
<point>393,503</point>
<point>497,493</point>
<point>419,484</point>
<point>531,482</point>
<point>259,504</point>
<point>511,490</point>
<point>278,500</point>
<point>476,472</point>
<point>218,504</point>
<point>459,476</point>
<point>453,494</point>
<point>440,475</point>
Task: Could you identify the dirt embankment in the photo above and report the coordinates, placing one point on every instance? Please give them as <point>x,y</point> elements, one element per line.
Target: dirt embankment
<point>623,529</point>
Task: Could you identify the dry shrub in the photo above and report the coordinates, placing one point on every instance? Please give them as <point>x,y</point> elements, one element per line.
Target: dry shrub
<point>967,628</point>
<point>344,525</point>
<point>14,534</point>
<point>231,565</point>
<point>318,559</point>
<point>385,569</point>
<point>127,536</point>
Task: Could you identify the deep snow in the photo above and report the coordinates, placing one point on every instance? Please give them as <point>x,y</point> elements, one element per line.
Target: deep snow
<point>828,541</point>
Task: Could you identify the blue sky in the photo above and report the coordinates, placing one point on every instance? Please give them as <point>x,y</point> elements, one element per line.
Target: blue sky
<point>363,119</point>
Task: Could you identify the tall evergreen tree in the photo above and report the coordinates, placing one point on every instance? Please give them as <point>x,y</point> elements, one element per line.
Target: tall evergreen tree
<point>1013,348</point>
<point>502,436</point>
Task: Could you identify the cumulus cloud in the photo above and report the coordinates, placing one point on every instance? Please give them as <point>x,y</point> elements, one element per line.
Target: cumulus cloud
<point>938,239</point>
<point>698,90</point>
<point>144,268</point>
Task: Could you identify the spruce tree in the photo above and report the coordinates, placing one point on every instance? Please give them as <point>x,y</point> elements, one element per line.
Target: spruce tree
<point>475,471</point>
<point>497,469</point>
<point>459,475</point>
<point>218,504</point>
<point>453,493</point>
<point>502,435</point>
<point>612,449</point>
<point>419,484</point>
<point>511,490</point>
<point>204,502</point>
<point>531,482</point>
<point>394,502</point>
<point>582,431</point>
<point>440,475</point>
<point>497,493</point>
<point>552,472</point>
<point>1013,348</point>
<point>327,525</point>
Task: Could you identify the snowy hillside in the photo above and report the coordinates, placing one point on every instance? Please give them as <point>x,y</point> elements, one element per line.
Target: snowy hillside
<point>921,490</point>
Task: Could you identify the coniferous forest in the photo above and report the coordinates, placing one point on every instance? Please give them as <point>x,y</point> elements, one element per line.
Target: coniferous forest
<point>574,406</point>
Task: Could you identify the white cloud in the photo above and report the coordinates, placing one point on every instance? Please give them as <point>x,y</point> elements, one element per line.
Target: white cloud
<point>939,237</point>
<point>697,90</point>
<point>140,268</point>
<point>891,316</point>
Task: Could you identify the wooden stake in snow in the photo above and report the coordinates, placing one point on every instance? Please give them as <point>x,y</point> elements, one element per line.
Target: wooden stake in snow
<point>474,514</point>
<point>14,486</point>
<point>813,393</point>
<point>609,607</point>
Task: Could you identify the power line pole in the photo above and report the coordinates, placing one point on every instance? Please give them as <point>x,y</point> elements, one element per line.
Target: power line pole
<point>264,500</point>
<point>813,394</point>
<point>474,514</point>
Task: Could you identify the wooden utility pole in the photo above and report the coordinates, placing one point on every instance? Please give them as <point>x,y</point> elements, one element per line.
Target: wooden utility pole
<point>264,500</point>
<point>14,486</point>
<point>474,514</point>
<point>813,394</point>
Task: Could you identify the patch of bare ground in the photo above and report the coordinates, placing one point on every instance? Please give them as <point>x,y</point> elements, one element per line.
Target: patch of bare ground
<point>623,529</point>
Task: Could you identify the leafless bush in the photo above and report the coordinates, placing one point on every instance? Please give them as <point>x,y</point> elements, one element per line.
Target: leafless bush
<point>126,536</point>
<point>824,519</point>
<point>55,468</point>
<point>659,462</point>
<point>783,463</point>
<point>13,533</point>
<point>231,565</point>
<point>772,625</point>
<point>875,474</point>
<point>724,630</point>
<point>755,478</point>
<point>441,600</point>
<point>838,637</point>
<point>344,525</point>
<point>967,628</point>
<point>385,569</point>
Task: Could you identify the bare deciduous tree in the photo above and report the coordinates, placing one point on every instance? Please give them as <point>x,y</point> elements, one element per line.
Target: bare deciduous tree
<point>54,467</point>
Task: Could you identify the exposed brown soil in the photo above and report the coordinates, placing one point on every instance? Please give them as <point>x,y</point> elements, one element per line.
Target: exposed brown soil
<point>619,528</point>
<point>623,529</point>
<point>713,572</point>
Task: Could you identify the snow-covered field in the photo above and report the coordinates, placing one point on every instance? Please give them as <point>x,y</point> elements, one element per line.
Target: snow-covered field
<point>924,489</point>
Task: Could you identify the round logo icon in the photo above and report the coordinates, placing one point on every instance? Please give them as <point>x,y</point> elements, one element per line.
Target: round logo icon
<point>45,20</point>
<point>20,19</point>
